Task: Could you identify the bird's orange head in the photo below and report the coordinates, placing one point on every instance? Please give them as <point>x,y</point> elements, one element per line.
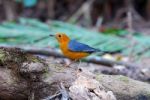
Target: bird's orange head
<point>61,37</point>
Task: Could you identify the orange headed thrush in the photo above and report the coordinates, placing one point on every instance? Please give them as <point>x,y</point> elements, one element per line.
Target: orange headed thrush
<point>72,48</point>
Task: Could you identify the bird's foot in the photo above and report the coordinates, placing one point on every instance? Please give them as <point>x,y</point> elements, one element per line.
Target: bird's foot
<point>67,65</point>
<point>78,71</point>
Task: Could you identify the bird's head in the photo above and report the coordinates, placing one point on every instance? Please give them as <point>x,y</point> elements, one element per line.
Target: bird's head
<point>61,37</point>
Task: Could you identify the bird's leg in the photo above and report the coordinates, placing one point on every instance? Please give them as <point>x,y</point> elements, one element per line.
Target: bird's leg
<point>78,70</point>
<point>68,65</point>
<point>79,64</point>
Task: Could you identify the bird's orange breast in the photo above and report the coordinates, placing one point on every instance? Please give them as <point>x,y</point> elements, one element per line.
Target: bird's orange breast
<point>71,54</point>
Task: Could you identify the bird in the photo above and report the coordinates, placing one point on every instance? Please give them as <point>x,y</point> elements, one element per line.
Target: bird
<point>73,49</point>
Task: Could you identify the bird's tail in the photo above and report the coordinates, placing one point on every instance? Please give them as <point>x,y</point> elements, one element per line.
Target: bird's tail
<point>102,52</point>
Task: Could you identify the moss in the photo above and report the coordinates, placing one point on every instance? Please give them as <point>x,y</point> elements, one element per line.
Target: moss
<point>124,79</point>
<point>2,51</point>
<point>98,77</point>
<point>48,74</point>
<point>34,59</point>
<point>148,94</point>
<point>59,67</point>
<point>2,56</point>
<point>46,71</point>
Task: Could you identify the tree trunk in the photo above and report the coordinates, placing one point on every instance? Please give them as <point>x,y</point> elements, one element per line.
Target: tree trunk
<point>51,9</point>
<point>9,6</point>
<point>24,76</point>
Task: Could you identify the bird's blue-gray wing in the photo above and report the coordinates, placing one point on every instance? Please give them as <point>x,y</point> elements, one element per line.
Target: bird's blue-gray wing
<point>80,47</point>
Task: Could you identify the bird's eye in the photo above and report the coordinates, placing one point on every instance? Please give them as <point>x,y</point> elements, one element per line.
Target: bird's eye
<point>59,35</point>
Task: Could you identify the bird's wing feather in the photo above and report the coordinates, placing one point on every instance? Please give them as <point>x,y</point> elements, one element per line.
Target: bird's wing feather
<point>80,47</point>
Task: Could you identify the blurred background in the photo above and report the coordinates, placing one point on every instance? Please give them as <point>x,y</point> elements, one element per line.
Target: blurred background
<point>119,26</point>
<point>84,12</point>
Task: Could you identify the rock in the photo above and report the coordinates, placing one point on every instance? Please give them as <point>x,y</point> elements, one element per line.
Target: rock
<point>125,88</point>
<point>33,67</point>
<point>88,88</point>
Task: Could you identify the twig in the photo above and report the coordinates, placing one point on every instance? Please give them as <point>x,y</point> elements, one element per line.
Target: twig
<point>129,22</point>
<point>130,29</point>
<point>64,93</point>
<point>80,11</point>
<point>52,97</point>
<point>31,97</point>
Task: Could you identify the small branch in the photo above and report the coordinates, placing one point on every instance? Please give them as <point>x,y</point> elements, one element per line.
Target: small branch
<point>9,7</point>
<point>31,97</point>
<point>80,11</point>
<point>52,97</point>
<point>102,61</point>
<point>129,22</point>
<point>64,93</point>
<point>51,8</point>
<point>91,60</point>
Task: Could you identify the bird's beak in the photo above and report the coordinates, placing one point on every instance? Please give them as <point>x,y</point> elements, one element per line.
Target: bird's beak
<point>51,35</point>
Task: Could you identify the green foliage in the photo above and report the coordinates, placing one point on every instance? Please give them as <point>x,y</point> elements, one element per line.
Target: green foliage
<point>31,32</point>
